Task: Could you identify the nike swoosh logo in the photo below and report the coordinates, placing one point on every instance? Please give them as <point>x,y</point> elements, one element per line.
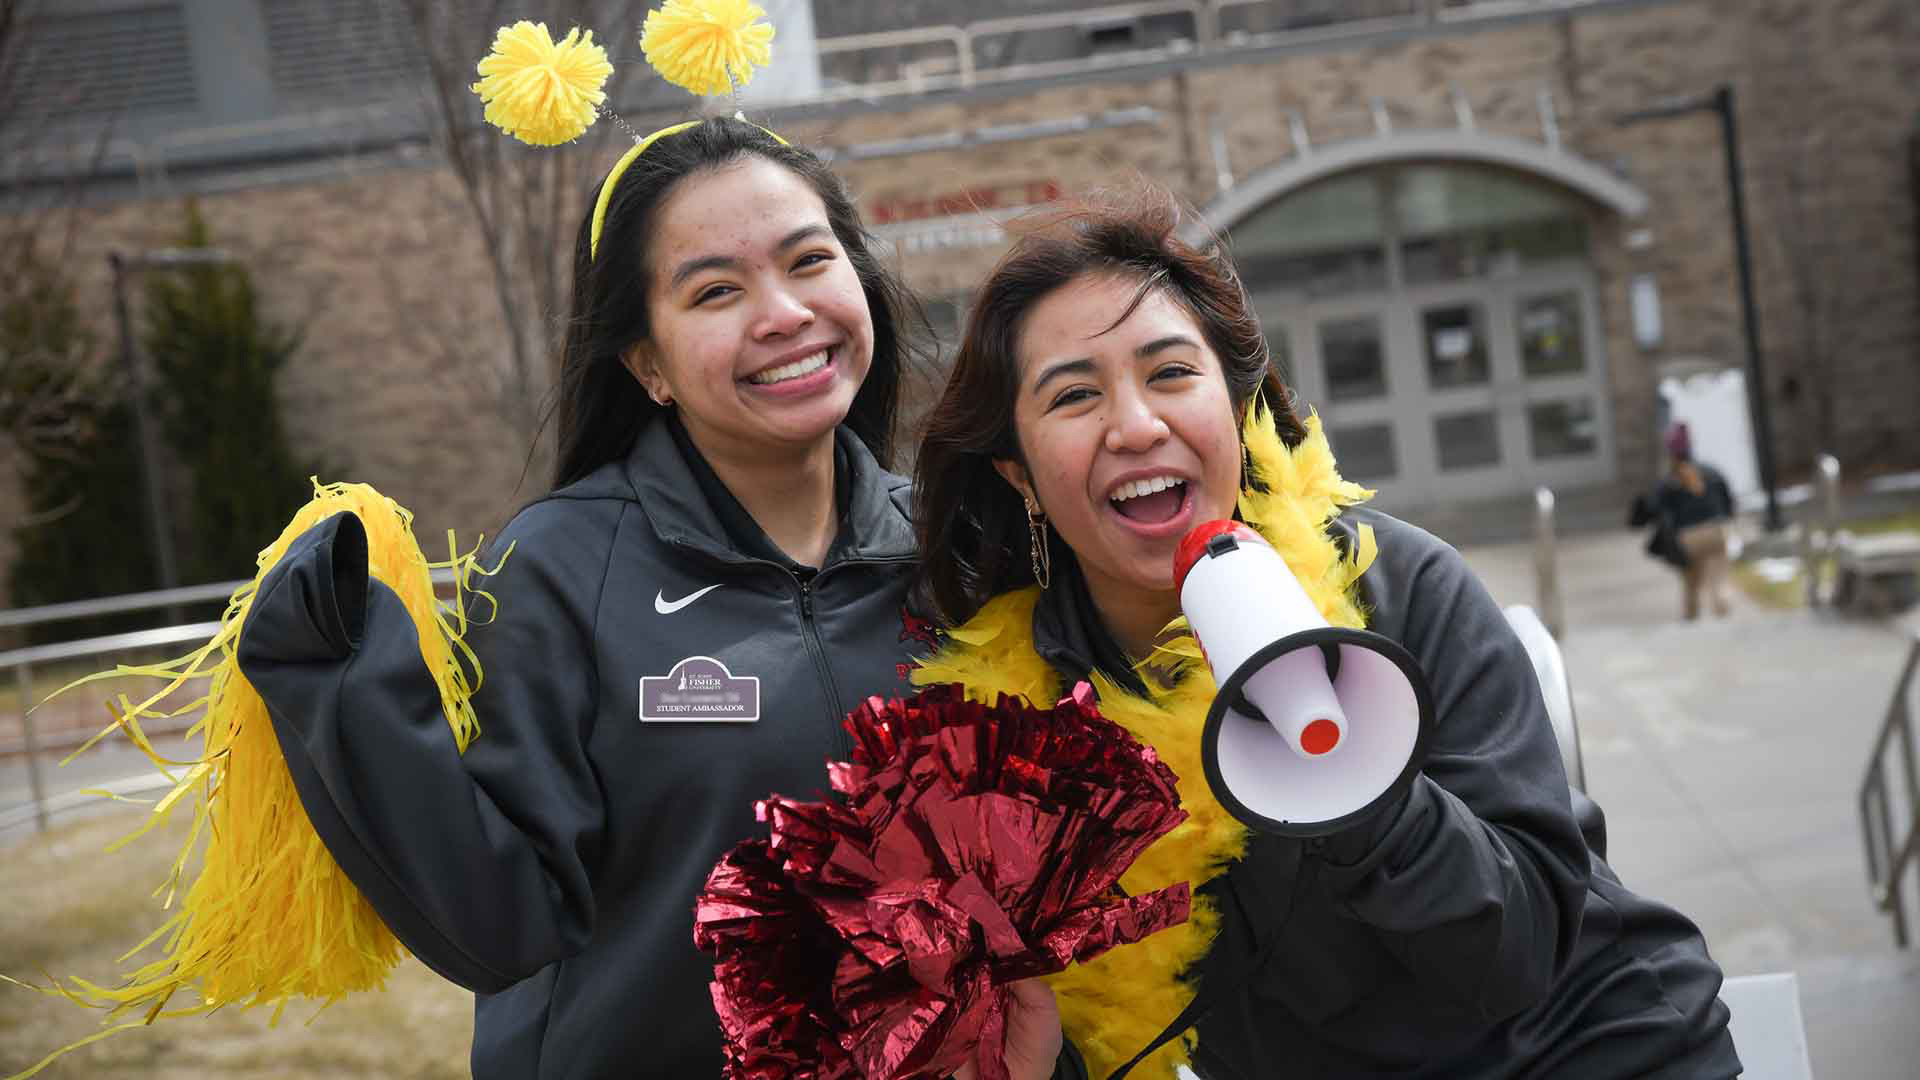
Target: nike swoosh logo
<point>667,607</point>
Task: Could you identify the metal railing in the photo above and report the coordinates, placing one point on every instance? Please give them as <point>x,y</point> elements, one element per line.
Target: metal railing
<point>22,662</point>
<point>1891,855</point>
<point>911,72</point>
<point>31,743</point>
<point>17,618</point>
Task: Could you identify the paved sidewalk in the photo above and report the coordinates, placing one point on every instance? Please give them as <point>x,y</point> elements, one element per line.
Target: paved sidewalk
<point>1728,756</point>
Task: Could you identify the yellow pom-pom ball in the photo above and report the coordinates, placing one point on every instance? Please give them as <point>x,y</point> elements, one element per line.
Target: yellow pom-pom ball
<point>707,46</point>
<point>539,91</point>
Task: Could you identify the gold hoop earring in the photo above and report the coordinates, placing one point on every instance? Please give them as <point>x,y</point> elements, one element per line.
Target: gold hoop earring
<point>1038,548</point>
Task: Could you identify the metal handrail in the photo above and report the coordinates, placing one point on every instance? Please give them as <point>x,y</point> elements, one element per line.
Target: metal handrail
<point>108,644</point>
<point>919,35</point>
<point>114,605</point>
<point>1887,861</point>
<point>1140,9</point>
<point>141,601</point>
<point>22,661</point>
<point>126,787</point>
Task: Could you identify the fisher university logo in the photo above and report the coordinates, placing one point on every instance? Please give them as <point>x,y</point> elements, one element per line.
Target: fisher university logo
<point>699,689</point>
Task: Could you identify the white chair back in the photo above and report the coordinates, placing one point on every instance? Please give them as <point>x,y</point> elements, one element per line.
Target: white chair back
<point>1550,668</point>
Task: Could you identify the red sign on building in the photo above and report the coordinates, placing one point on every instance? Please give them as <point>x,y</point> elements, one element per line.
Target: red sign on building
<point>970,200</point>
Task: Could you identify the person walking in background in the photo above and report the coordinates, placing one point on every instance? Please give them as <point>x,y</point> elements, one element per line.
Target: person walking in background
<point>1690,509</point>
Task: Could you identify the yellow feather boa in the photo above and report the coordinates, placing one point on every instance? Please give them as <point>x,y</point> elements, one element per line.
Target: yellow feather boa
<point>1114,1006</point>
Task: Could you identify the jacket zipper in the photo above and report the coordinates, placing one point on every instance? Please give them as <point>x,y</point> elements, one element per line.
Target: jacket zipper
<point>842,742</point>
<point>810,630</point>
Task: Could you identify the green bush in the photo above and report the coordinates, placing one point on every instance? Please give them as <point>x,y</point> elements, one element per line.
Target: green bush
<point>216,359</point>
<point>73,430</point>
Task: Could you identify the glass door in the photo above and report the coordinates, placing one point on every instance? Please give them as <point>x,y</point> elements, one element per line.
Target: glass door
<point>1456,392</point>
<point>1342,364</point>
<point>1464,394</point>
<point>1565,410</point>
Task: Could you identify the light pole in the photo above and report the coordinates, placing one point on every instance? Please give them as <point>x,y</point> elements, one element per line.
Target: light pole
<point>1720,101</point>
<point>159,523</point>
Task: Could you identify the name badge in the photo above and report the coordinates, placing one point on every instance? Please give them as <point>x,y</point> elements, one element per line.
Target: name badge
<point>699,689</point>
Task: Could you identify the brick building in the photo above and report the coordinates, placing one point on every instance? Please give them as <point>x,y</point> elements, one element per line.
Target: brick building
<point>1467,262</point>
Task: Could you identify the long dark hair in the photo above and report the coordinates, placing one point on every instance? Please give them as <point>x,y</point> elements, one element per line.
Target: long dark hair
<point>601,407</point>
<point>971,524</point>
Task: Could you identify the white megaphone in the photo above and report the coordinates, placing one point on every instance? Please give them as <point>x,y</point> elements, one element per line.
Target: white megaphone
<point>1314,726</point>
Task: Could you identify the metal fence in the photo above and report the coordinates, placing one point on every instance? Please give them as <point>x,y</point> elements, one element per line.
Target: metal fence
<point>22,662</point>
<point>962,56</point>
<point>32,744</point>
<point>1892,832</point>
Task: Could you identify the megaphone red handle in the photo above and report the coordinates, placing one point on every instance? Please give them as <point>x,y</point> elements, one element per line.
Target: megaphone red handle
<point>1196,544</point>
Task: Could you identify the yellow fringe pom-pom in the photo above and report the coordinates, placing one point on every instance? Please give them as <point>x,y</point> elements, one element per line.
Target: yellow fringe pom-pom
<point>271,916</point>
<point>541,92</point>
<point>707,46</point>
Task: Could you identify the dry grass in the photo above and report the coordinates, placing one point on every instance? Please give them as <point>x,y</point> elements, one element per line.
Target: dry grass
<point>1783,592</point>
<point>71,909</point>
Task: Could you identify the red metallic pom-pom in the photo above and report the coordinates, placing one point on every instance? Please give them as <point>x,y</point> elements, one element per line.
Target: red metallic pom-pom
<point>976,846</point>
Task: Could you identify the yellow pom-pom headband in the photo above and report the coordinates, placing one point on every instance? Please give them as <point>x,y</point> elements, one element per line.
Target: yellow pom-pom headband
<point>547,93</point>
<point>539,91</point>
<point>707,46</point>
<point>628,158</point>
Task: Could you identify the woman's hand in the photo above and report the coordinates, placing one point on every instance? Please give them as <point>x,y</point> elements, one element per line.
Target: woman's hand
<point>1033,1034</point>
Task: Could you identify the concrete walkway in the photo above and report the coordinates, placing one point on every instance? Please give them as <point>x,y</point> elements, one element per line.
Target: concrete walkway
<point>1728,756</point>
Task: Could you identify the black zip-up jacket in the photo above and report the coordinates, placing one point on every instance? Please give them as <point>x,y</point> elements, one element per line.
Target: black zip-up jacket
<point>1682,507</point>
<point>553,868</point>
<point>1472,932</point>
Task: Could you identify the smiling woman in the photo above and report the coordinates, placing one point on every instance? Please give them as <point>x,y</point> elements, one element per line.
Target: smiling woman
<point>728,388</point>
<point>1113,391</point>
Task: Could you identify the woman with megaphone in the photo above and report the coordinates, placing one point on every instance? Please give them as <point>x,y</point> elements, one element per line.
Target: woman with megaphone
<point>1392,873</point>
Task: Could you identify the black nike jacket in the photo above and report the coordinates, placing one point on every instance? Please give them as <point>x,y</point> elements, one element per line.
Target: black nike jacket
<point>553,867</point>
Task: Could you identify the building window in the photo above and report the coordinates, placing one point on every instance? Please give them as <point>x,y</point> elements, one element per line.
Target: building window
<point>1399,226</point>
<point>1468,440</point>
<point>1356,358</point>
<point>1458,222</point>
<point>1560,429</point>
<point>1324,240</point>
<point>107,64</point>
<point>1456,341</point>
<point>1550,335</point>
<point>354,50</point>
<point>1365,452</point>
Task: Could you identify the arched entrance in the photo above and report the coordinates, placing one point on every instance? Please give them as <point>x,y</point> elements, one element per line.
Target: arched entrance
<point>1433,297</point>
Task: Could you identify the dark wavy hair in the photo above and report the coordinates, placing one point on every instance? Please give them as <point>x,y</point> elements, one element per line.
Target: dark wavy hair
<point>971,524</point>
<point>601,408</point>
